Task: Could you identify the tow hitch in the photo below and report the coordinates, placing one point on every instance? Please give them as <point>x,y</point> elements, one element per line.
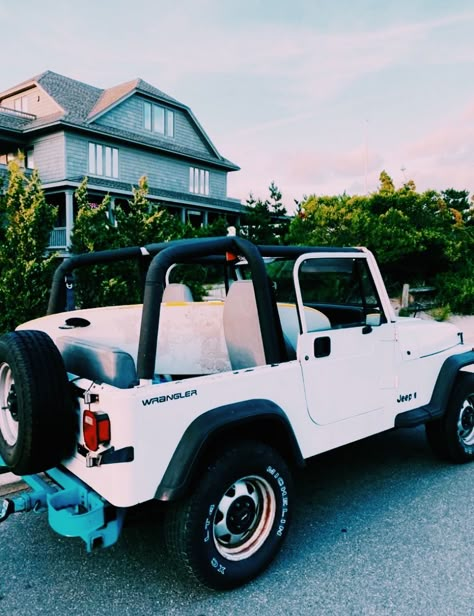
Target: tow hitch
<point>74,509</point>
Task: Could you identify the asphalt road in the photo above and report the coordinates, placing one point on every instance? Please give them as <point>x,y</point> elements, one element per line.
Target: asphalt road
<point>380,528</point>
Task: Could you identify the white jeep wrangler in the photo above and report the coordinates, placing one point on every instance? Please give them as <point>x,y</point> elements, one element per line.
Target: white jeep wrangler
<point>208,405</point>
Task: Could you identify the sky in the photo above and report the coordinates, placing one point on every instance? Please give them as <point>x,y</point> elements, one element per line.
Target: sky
<point>318,96</point>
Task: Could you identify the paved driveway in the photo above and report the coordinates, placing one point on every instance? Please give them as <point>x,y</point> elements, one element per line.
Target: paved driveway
<point>380,528</point>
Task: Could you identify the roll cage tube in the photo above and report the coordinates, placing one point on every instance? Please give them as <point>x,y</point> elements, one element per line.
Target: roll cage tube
<point>159,257</point>
<point>58,292</point>
<point>57,297</point>
<point>293,252</point>
<point>182,251</point>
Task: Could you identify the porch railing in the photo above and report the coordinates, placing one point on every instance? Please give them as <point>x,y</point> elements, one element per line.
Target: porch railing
<point>57,238</point>
<point>17,113</point>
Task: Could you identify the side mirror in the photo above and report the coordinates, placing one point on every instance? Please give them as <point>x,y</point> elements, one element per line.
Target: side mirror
<point>373,319</point>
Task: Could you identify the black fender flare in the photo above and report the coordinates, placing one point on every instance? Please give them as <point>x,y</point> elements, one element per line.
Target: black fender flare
<point>199,433</point>
<point>441,392</point>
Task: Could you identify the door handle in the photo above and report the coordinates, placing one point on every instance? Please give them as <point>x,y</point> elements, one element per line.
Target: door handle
<point>322,346</point>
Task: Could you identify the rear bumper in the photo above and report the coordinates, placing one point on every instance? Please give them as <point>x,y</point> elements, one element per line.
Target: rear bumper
<point>74,509</point>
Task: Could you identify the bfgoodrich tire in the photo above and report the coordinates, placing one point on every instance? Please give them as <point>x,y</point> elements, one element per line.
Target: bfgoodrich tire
<point>37,423</point>
<point>233,523</point>
<point>452,436</point>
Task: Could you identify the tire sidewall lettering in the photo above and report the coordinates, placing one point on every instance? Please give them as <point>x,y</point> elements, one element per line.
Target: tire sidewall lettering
<point>284,499</point>
<point>218,564</point>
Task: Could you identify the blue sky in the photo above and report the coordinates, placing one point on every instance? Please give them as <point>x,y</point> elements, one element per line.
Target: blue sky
<point>316,95</point>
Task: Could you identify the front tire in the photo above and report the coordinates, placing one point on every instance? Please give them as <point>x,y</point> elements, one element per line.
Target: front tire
<point>451,437</point>
<point>233,523</point>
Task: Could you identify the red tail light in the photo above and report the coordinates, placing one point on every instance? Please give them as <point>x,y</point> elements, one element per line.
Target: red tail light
<point>96,429</point>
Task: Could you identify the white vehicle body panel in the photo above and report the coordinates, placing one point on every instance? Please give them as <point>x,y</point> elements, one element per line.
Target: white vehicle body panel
<point>354,391</point>
<point>364,364</point>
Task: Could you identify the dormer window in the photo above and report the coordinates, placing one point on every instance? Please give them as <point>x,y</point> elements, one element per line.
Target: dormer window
<point>158,119</point>
<point>21,104</point>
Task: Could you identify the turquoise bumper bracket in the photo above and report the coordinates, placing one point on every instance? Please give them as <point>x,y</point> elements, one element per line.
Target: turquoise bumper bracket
<point>74,509</point>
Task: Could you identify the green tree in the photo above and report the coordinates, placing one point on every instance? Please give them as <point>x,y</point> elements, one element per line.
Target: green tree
<point>25,269</point>
<point>387,186</point>
<point>266,222</point>
<point>330,221</point>
<point>137,224</point>
<point>92,227</point>
<point>144,223</point>
<point>419,238</point>
<point>459,203</point>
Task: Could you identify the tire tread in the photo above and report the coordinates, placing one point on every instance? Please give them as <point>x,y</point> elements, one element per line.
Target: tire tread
<point>47,424</point>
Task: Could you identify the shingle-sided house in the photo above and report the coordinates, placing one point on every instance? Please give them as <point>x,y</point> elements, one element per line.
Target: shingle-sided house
<point>68,129</point>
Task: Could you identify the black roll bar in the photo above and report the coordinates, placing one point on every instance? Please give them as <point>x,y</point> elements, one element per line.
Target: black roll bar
<point>197,248</point>
<point>160,257</point>
<point>57,298</point>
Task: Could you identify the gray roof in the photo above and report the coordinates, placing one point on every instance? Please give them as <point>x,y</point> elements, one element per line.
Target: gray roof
<point>4,176</point>
<point>81,104</point>
<point>13,121</point>
<point>168,196</point>
<point>115,94</point>
<point>163,144</point>
<point>75,97</point>
<point>179,198</point>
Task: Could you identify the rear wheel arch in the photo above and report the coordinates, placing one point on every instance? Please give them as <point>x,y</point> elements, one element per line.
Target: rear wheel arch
<point>216,430</point>
<point>231,525</point>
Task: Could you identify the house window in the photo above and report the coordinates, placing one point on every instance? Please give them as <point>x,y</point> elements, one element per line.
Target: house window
<point>21,104</point>
<point>198,181</point>
<point>30,159</point>
<point>103,160</point>
<point>158,119</point>
<point>11,156</point>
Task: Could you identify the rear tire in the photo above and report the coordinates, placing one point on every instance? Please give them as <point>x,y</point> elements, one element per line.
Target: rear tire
<point>451,437</point>
<point>37,420</point>
<point>234,521</point>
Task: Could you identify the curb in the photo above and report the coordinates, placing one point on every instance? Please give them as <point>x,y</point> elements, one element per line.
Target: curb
<point>10,483</point>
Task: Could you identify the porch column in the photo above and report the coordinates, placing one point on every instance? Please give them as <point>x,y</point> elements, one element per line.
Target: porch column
<point>183,215</point>
<point>69,215</point>
<point>205,218</point>
<point>111,212</point>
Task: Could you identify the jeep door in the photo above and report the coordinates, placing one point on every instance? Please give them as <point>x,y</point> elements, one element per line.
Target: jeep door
<point>347,357</point>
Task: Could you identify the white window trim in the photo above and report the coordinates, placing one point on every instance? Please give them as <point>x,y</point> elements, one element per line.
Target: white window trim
<point>199,181</point>
<point>150,120</point>
<point>103,160</point>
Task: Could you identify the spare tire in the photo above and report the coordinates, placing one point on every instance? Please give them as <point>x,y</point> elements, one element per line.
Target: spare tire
<point>37,418</point>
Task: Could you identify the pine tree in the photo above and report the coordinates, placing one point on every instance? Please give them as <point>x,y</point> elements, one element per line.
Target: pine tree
<point>266,222</point>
